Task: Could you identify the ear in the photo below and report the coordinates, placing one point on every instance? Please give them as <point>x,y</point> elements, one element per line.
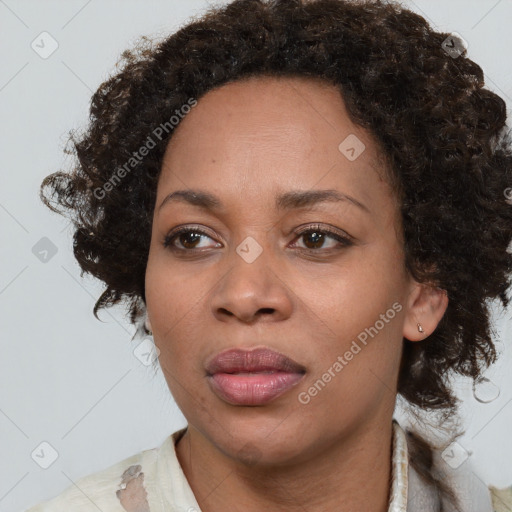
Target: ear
<point>147,324</point>
<point>426,306</point>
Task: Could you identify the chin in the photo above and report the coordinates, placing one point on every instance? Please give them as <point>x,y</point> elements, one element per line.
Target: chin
<point>258,443</point>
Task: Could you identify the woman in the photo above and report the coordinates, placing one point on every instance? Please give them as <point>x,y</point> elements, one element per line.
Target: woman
<point>306,204</point>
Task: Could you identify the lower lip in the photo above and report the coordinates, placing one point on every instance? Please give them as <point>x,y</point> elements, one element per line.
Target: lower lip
<point>252,388</point>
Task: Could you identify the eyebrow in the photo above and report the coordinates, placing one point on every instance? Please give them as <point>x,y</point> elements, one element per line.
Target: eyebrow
<point>289,200</point>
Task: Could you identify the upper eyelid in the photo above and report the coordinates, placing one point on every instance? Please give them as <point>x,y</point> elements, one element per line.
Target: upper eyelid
<point>300,229</point>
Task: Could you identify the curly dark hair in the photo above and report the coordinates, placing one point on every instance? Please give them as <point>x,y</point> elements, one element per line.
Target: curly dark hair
<point>442,134</point>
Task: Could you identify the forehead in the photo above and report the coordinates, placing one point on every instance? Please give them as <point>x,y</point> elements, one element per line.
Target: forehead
<point>265,134</point>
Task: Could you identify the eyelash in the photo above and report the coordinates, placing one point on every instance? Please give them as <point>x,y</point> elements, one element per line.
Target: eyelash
<point>345,241</point>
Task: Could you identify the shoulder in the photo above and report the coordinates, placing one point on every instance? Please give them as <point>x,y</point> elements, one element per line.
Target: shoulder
<point>457,474</point>
<point>96,491</point>
<point>501,498</point>
<point>117,488</point>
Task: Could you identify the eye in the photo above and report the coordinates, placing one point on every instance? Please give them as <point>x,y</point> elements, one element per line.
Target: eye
<point>315,236</point>
<point>187,237</point>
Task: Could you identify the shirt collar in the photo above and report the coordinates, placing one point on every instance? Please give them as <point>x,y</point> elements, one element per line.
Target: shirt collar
<point>399,470</point>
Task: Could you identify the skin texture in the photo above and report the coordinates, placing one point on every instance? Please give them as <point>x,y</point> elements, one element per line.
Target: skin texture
<point>273,136</point>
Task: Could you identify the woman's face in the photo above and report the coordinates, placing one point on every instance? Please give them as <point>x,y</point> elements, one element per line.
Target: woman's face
<point>252,281</point>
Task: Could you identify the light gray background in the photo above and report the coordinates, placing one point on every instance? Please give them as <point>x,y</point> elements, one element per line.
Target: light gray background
<point>66,378</point>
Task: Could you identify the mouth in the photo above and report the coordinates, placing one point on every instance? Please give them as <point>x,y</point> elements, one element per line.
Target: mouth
<point>254,377</point>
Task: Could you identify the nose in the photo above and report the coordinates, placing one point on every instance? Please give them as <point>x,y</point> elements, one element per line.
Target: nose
<point>252,292</point>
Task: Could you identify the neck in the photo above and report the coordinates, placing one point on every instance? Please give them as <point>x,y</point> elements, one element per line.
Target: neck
<point>351,474</point>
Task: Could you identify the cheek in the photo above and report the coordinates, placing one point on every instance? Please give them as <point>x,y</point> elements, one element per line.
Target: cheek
<point>360,309</point>
<point>169,292</point>
<point>353,296</point>
<point>356,372</point>
<point>172,301</point>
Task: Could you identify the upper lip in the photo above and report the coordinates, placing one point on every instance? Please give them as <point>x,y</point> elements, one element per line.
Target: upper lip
<point>256,360</point>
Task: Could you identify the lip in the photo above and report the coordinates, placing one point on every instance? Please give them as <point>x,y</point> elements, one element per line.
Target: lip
<point>252,377</point>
